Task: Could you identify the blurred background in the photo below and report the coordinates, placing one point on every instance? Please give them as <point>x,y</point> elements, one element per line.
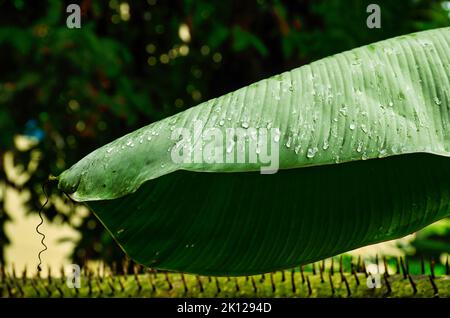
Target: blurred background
<point>65,92</point>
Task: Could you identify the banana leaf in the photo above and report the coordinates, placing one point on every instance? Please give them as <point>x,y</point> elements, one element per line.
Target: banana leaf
<point>359,147</point>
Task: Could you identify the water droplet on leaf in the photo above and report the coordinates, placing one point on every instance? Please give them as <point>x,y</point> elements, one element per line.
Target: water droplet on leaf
<point>311,152</point>
<point>382,153</point>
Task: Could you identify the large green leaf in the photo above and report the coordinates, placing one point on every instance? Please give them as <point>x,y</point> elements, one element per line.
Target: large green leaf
<point>387,102</point>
